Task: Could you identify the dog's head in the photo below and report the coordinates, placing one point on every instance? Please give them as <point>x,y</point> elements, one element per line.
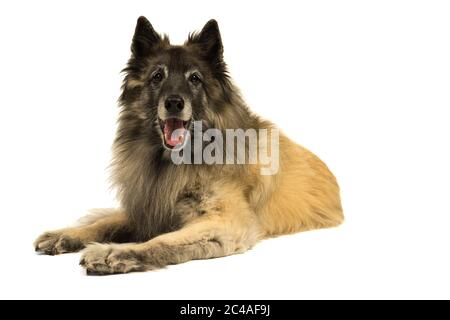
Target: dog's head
<point>167,87</point>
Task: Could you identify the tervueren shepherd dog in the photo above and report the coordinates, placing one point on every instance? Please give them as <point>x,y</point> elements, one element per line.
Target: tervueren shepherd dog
<point>183,192</point>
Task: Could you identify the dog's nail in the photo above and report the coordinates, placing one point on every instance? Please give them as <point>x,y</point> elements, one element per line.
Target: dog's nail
<point>90,272</point>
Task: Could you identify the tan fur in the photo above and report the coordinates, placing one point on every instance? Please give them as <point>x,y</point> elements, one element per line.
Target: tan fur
<point>303,195</point>
<point>100,225</point>
<point>306,195</point>
<point>176,213</point>
<point>231,229</point>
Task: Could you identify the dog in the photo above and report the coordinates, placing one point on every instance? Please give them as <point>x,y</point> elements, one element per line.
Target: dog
<point>171,212</point>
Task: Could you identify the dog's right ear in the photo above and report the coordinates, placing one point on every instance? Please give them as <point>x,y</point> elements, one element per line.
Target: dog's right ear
<point>144,39</point>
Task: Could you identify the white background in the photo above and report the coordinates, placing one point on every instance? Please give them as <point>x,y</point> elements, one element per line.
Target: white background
<point>363,84</point>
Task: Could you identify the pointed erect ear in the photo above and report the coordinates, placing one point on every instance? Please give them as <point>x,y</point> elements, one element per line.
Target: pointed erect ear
<point>144,39</point>
<point>210,41</point>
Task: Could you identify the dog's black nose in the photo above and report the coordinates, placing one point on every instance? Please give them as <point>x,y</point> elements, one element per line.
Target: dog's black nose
<point>174,104</point>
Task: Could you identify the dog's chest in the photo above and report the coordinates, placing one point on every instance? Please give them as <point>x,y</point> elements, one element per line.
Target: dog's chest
<point>196,200</point>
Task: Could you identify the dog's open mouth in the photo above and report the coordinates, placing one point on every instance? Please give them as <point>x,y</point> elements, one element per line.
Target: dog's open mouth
<point>174,131</point>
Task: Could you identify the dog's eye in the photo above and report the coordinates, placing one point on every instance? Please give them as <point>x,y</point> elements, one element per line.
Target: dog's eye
<point>157,77</point>
<point>194,78</point>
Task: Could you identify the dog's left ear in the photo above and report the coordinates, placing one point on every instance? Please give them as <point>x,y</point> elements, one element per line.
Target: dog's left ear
<point>210,41</point>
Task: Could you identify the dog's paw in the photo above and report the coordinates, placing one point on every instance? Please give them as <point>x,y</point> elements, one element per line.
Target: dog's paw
<point>57,242</point>
<point>104,259</point>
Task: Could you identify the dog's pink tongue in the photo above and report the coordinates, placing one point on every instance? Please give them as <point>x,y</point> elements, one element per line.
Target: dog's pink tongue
<point>174,132</point>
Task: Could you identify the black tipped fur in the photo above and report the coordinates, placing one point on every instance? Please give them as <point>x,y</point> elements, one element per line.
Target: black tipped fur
<point>145,38</point>
<point>140,169</point>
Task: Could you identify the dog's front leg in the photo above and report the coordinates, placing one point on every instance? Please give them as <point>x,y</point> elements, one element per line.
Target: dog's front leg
<point>206,237</point>
<point>105,225</point>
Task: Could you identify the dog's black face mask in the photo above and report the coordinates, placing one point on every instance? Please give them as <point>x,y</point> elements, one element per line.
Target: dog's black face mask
<point>168,87</point>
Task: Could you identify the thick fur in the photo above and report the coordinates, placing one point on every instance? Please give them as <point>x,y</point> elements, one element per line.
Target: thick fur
<point>175,213</point>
